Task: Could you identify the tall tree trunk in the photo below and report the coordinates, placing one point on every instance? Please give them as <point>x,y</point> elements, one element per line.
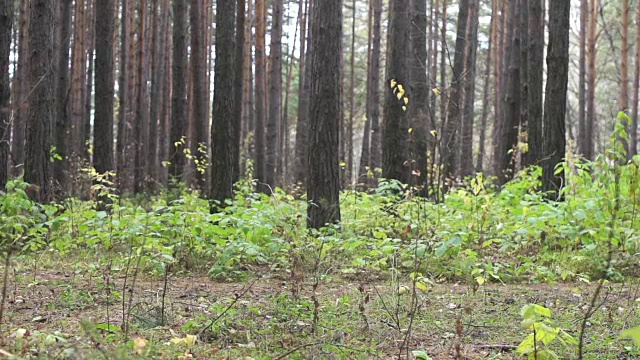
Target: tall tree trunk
<point>453,124</point>
<point>633,150</point>
<point>287,92</point>
<point>103,121</point>
<point>222,128</point>
<point>443,71</point>
<point>248,125</point>
<point>487,82</point>
<point>591,79</point>
<point>374,88</point>
<point>123,94</point>
<point>365,150</point>
<point>582,78</point>
<point>506,134</point>
<point>200,111</point>
<point>352,97</point>
<point>623,101</point>
<point>535,80</point>
<point>6,21</point>
<point>466,155</point>
<point>62,140</point>
<point>275,95</point>
<point>419,111</point>
<point>556,95</point>
<point>142,107</point>
<point>164,134</point>
<point>303,97</point>
<point>395,122</point>
<point>179,90</point>
<point>37,170</point>
<point>324,114</point>
<point>261,78</point>
<point>239,87</point>
<point>157,79</point>
<point>20,114</point>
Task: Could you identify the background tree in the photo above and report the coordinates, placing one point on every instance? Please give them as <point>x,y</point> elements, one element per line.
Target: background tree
<point>179,90</point>
<point>104,111</point>
<point>396,126</point>
<point>6,21</point>
<point>261,79</point>
<point>323,191</point>
<point>556,95</point>
<point>275,95</point>
<point>535,79</point>
<point>200,109</point>
<point>633,150</point>
<point>222,129</point>
<point>37,168</point>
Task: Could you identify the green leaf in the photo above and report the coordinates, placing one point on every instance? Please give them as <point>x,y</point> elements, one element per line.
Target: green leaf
<point>633,334</point>
<point>421,354</point>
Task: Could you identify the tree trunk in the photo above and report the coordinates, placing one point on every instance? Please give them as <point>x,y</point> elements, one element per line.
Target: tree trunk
<point>591,79</point>
<point>303,97</point>
<point>556,96</point>
<point>248,118</point>
<point>157,79</point>
<point>20,112</point>
<point>443,72</point>
<point>535,80</point>
<point>582,78</point>
<point>466,155</point>
<point>287,91</point>
<point>374,89</point>
<point>633,150</point>
<point>239,87</point>
<point>37,170</point>
<point>222,128</point>
<point>62,140</point>
<point>261,69</point>
<point>275,95</point>
<point>123,93</point>
<point>200,113</point>
<point>6,21</point>
<point>506,134</point>
<point>487,82</point>
<point>179,91</point>
<point>453,123</point>
<point>352,97</point>
<point>365,150</point>
<point>623,101</point>
<point>419,112</point>
<point>324,114</point>
<point>103,122</point>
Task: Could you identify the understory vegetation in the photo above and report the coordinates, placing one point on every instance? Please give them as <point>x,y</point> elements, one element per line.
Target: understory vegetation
<point>396,264</point>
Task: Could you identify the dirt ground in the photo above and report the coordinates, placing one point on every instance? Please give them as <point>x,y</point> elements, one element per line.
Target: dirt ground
<point>263,319</point>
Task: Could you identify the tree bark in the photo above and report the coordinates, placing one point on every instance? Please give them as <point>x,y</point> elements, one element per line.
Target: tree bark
<point>6,21</point>
<point>623,101</point>
<point>275,96</point>
<point>37,169</point>
<point>535,80</point>
<point>466,155</point>
<point>62,140</point>
<point>556,96</point>
<point>487,82</point>
<point>451,136</point>
<point>261,118</point>
<point>324,114</point>
<point>582,78</point>
<point>591,79</point>
<point>200,110</point>
<point>103,122</point>
<point>633,150</point>
<point>238,87</point>
<point>374,89</point>
<point>179,90</point>
<point>20,111</point>
<point>222,128</point>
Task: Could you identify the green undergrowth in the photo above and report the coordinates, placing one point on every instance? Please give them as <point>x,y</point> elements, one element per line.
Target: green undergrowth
<point>479,233</point>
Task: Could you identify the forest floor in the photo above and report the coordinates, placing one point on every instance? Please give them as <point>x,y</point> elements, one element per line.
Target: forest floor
<point>56,312</point>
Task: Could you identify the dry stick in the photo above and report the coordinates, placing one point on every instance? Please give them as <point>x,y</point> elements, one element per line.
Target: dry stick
<point>592,305</point>
<point>5,353</point>
<point>233,303</point>
<point>7,262</point>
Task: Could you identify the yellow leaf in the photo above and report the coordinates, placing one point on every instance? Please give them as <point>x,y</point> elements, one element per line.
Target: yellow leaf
<point>434,133</point>
<point>406,101</point>
<point>410,130</point>
<point>393,83</point>
<point>139,344</point>
<point>436,91</point>
<point>404,108</point>
<point>190,340</point>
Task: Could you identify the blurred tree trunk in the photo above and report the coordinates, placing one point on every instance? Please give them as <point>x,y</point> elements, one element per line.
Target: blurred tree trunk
<point>323,189</point>
<point>20,110</point>
<point>365,151</point>
<point>582,79</point>
<point>395,121</point>
<point>239,87</point>
<point>275,96</point>
<point>199,78</point>
<point>248,115</point>
<point>157,84</point>
<point>6,21</point>
<point>451,136</point>
<point>556,96</point>
<point>37,169</point>
<point>466,155</point>
<point>623,101</point>
<point>287,92</point>
<point>535,79</point>
<point>592,52</point>
<point>636,86</point>
<point>142,107</point>
<point>179,91</point>
<point>352,97</point>
<point>104,69</point>
<point>62,135</point>
<point>222,128</point>
<point>300,173</point>
<point>261,69</point>
<point>491,52</point>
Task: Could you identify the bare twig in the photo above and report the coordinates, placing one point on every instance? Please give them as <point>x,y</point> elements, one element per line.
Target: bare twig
<point>233,303</point>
